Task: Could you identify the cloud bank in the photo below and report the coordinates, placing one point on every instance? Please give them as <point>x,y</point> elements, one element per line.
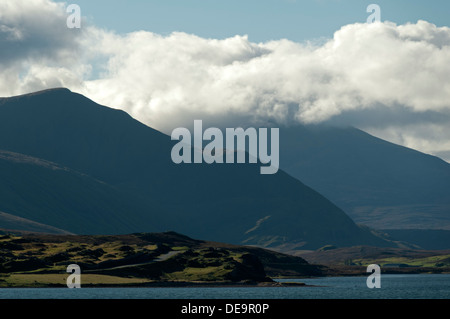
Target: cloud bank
<point>391,80</point>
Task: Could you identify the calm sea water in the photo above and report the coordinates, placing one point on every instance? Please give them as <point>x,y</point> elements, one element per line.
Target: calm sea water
<point>424,286</point>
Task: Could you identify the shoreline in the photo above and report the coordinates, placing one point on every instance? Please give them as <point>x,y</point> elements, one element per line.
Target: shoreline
<point>225,284</point>
<point>204,284</point>
<point>174,284</point>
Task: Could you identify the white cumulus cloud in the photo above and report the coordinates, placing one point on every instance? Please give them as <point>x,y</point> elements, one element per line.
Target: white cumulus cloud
<point>389,79</point>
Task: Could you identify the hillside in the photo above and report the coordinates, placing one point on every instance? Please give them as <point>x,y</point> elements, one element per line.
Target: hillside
<point>379,184</point>
<point>432,239</point>
<point>10,223</point>
<point>354,260</point>
<point>117,177</point>
<point>46,197</point>
<point>139,259</point>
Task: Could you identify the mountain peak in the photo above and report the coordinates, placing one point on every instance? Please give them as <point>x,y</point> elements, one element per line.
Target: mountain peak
<point>57,90</point>
<point>52,90</point>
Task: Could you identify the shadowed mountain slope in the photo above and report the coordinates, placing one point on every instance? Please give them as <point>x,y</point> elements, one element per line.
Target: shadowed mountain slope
<point>134,184</point>
<point>380,184</point>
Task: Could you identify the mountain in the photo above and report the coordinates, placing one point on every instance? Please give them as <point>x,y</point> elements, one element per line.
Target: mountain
<point>10,223</point>
<point>379,184</point>
<point>107,173</point>
<point>46,197</point>
<point>432,239</point>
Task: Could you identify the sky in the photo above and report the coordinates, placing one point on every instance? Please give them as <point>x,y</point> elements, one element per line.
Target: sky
<point>243,63</point>
<point>261,20</point>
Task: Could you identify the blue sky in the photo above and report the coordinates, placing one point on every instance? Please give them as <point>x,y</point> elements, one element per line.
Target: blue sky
<point>261,20</point>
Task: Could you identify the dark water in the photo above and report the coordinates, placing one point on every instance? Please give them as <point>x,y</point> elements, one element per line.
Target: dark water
<point>425,286</point>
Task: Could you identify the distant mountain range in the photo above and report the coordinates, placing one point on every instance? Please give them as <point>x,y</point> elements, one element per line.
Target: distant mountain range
<point>379,184</point>
<point>68,164</point>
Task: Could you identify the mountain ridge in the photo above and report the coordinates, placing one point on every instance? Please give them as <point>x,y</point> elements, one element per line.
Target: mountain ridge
<point>220,202</point>
<point>378,183</point>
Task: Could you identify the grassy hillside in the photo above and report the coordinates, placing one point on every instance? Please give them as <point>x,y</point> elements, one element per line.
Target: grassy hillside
<point>353,260</point>
<point>137,259</point>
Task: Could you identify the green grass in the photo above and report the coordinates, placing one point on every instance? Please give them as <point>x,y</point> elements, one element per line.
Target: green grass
<point>39,261</point>
<point>42,280</point>
<point>431,261</point>
<point>198,274</point>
